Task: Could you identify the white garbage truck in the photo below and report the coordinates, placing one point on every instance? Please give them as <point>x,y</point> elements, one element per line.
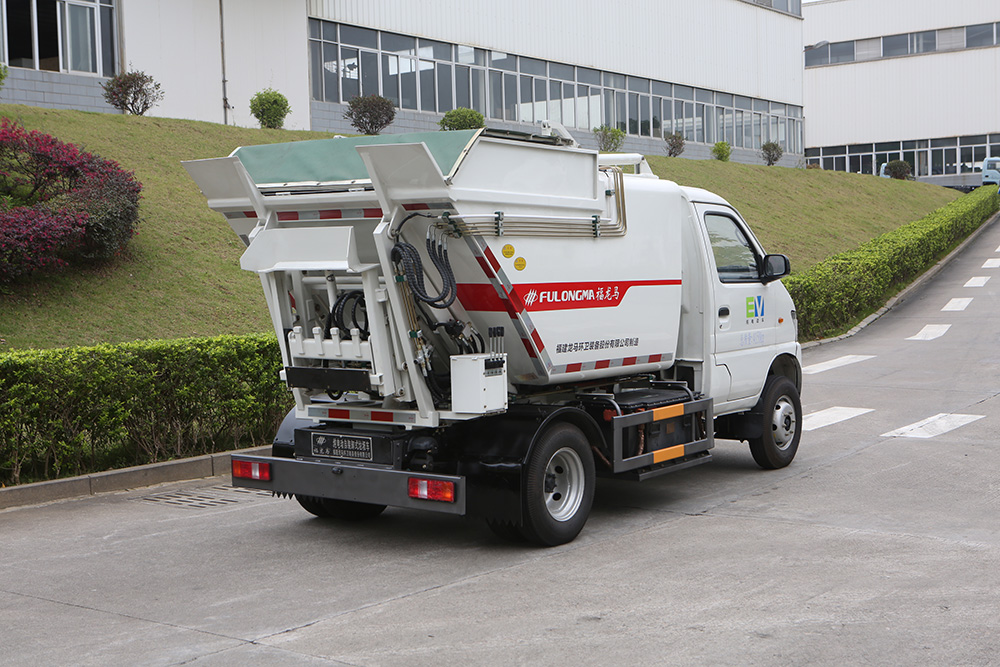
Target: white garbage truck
<point>483,322</point>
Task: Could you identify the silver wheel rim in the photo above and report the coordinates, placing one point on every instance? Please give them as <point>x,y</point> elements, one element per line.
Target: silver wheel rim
<point>783,424</point>
<point>564,482</point>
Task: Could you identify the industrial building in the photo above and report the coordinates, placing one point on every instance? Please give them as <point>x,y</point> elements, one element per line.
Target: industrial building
<point>714,70</point>
<point>917,80</point>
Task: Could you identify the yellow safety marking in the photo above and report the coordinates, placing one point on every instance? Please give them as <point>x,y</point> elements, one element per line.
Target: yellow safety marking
<point>667,412</point>
<point>508,251</point>
<point>675,452</point>
<point>519,263</point>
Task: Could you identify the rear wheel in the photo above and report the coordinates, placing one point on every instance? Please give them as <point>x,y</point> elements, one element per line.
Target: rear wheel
<point>781,412</point>
<point>559,486</point>
<point>345,510</point>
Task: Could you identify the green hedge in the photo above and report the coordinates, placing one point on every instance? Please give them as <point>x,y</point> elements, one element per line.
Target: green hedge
<point>835,294</point>
<point>76,410</point>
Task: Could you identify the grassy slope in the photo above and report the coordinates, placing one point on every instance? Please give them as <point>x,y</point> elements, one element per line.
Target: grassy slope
<point>181,276</point>
<point>808,214</point>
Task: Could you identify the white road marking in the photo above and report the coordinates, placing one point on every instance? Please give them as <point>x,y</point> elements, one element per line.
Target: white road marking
<point>957,304</point>
<point>992,263</point>
<point>977,281</point>
<point>931,331</point>
<point>830,416</point>
<point>836,363</point>
<point>937,425</point>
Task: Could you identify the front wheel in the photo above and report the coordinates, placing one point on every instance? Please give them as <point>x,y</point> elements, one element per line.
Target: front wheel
<point>781,412</point>
<point>345,510</point>
<point>559,486</point>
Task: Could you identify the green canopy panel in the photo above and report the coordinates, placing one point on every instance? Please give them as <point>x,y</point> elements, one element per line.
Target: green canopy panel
<point>333,160</point>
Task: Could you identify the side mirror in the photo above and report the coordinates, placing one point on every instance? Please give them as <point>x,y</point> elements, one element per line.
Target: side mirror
<point>775,266</point>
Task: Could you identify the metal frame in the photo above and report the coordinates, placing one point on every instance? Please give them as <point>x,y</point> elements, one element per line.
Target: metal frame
<point>669,454</point>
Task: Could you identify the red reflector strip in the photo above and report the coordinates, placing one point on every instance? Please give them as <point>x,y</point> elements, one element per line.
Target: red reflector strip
<point>431,489</point>
<point>372,213</point>
<point>251,470</point>
<point>285,216</point>
<point>250,214</point>
<point>416,207</point>
<point>331,214</point>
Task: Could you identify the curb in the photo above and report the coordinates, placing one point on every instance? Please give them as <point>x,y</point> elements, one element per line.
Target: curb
<point>909,289</point>
<point>209,465</point>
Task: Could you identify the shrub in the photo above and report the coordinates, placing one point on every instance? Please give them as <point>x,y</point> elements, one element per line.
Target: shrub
<point>898,169</point>
<point>814,165</point>
<point>33,239</point>
<point>53,191</point>
<point>609,139</point>
<point>370,114</point>
<point>109,197</point>
<point>132,92</point>
<point>771,152</point>
<point>78,410</point>
<point>3,74</point>
<point>675,144</point>
<point>270,107</point>
<point>721,151</point>
<point>462,119</point>
<point>838,292</point>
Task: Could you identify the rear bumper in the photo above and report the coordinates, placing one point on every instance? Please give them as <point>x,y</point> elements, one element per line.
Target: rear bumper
<point>340,481</point>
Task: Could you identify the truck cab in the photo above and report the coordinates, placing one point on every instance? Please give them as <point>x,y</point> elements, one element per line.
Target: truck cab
<point>482,322</point>
<point>991,171</point>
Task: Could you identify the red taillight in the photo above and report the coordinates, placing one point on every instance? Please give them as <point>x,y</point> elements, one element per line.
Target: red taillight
<point>251,470</point>
<point>432,489</point>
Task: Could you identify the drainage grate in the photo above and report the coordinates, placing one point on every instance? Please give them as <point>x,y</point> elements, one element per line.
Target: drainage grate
<point>216,496</point>
<point>190,499</point>
<point>243,490</point>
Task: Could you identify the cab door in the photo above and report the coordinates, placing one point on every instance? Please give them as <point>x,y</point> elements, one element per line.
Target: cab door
<point>745,320</point>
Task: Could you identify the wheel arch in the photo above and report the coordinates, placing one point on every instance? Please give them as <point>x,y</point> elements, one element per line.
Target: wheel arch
<point>788,366</point>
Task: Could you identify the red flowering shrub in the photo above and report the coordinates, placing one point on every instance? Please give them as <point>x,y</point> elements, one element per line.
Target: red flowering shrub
<point>33,238</point>
<point>54,188</point>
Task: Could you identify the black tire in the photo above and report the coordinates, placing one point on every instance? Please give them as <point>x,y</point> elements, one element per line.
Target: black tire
<point>559,486</point>
<point>781,412</point>
<point>345,510</point>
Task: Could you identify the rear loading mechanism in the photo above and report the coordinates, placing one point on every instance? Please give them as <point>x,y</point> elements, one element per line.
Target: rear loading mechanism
<point>474,323</point>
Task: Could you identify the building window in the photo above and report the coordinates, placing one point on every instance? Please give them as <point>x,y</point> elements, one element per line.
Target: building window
<point>76,36</point>
<point>923,42</point>
<point>842,52</point>
<point>979,35</point>
<point>432,76</point>
<point>895,45</point>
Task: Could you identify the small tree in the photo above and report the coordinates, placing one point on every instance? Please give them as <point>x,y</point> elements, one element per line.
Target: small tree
<point>132,92</point>
<point>675,144</point>
<point>721,151</point>
<point>270,107</point>
<point>898,169</point>
<point>462,119</point>
<point>771,152</point>
<point>370,114</point>
<point>609,139</point>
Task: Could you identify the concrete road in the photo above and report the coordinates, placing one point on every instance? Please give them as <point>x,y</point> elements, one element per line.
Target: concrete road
<point>878,545</point>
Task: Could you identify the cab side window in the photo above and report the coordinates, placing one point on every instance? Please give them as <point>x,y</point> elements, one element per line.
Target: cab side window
<point>735,258</point>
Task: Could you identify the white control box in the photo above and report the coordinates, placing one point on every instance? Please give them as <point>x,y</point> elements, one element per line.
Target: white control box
<point>478,383</point>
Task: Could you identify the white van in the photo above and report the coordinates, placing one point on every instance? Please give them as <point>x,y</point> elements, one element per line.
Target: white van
<point>991,171</point>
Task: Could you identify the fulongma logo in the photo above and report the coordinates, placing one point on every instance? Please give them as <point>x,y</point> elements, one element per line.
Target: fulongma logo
<point>755,307</point>
<point>530,298</point>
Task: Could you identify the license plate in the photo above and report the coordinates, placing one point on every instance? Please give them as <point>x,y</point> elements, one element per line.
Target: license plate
<point>356,448</point>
